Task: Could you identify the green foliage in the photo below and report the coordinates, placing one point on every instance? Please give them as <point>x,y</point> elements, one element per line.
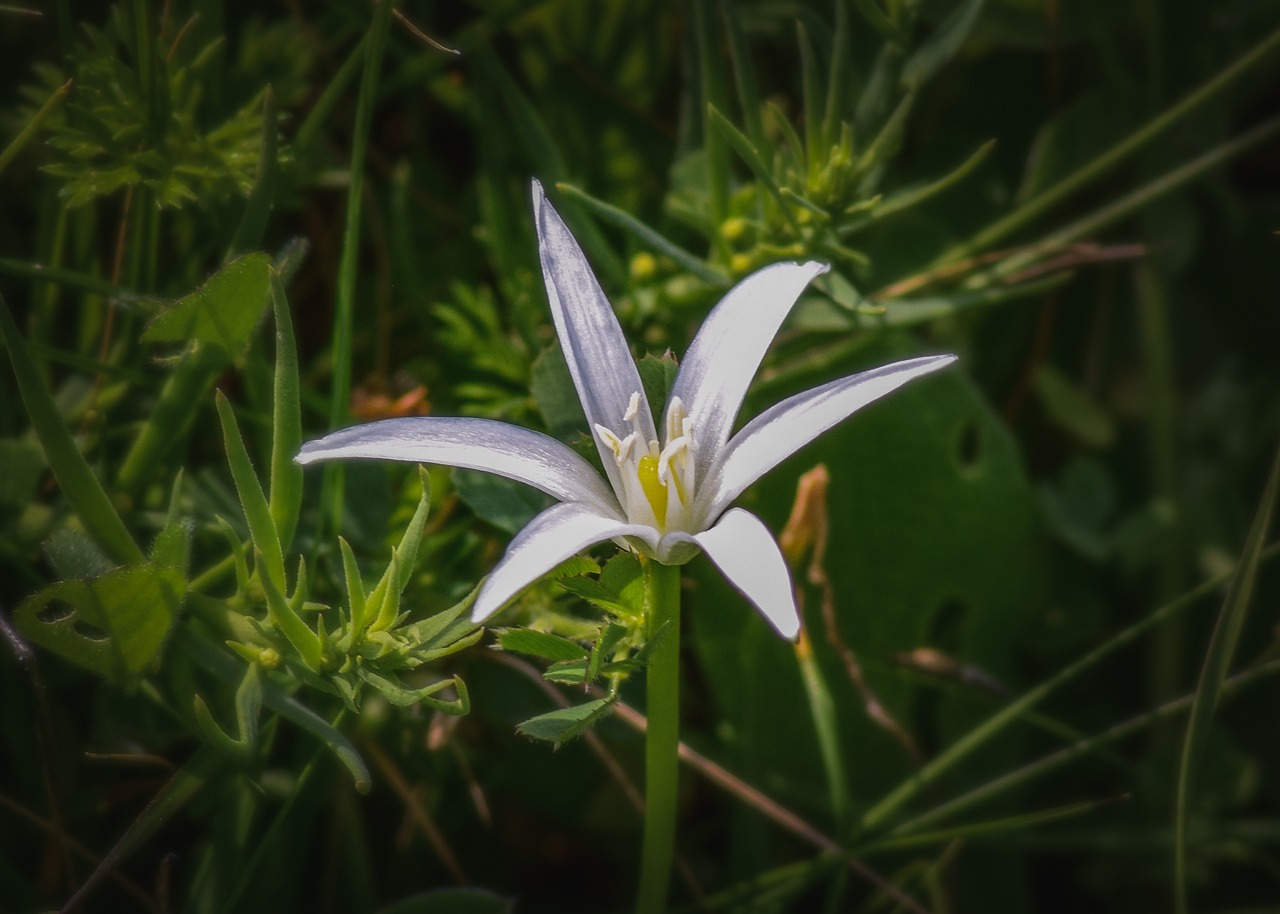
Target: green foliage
<point>1022,557</point>
<point>135,119</point>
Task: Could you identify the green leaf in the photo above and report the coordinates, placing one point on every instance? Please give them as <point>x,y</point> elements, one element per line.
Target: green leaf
<point>452,901</point>
<point>286,421</point>
<point>114,625</point>
<point>258,207</point>
<point>402,696</point>
<point>506,504</point>
<point>231,671</point>
<point>257,512</point>
<point>21,464</point>
<point>81,488</point>
<point>1217,663</point>
<point>657,376</point>
<point>563,724</point>
<point>540,644</point>
<point>1072,410</point>
<point>942,45</point>
<point>557,399</point>
<point>222,313</point>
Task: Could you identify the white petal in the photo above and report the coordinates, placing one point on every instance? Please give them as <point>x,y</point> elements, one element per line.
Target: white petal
<point>599,361</point>
<point>783,429</point>
<point>746,552</point>
<point>717,369</point>
<point>557,533</point>
<point>476,444</point>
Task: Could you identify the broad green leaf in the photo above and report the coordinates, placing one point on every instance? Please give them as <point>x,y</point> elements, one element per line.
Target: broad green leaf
<point>540,644</point>
<point>553,391</point>
<point>506,504</point>
<point>908,473</point>
<point>564,724</point>
<point>223,313</point>
<point>114,625</point>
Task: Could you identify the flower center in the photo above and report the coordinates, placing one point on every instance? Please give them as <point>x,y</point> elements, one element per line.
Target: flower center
<point>649,474</point>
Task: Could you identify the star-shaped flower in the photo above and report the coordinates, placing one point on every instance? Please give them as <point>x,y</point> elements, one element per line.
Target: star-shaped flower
<point>666,496</point>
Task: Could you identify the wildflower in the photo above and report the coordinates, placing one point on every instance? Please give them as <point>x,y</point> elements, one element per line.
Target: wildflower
<point>666,492</point>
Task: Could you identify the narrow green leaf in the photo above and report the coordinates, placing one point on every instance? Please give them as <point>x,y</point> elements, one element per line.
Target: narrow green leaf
<point>711,84</point>
<point>331,496</point>
<point>906,199</point>
<point>749,154</point>
<point>285,617</point>
<point>540,644</point>
<point>286,422</point>
<point>411,541</point>
<point>840,81</point>
<point>880,21</point>
<point>998,722</point>
<point>1005,825</point>
<point>560,726</point>
<point>1091,171</point>
<point>934,54</point>
<point>744,74</point>
<point>647,236</point>
<point>1071,409</point>
<point>83,490</point>
<point>230,670</point>
<point>256,510</point>
<point>32,127</point>
<point>114,625</point>
<point>355,587</point>
<point>1217,663</point>
<point>184,785</point>
<point>253,222</point>
<point>403,697</point>
<point>815,154</point>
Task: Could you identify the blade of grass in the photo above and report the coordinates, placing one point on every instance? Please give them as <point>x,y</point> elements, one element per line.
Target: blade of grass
<point>647,236</point>
<point>261,197</point>
<point>83,490</point>
<point>1099,166</point>
<point>995,826</point>
<point>1065,756</point>
<point>184,785</point>
<point>998,722</point>
<point>711,81</point>
<point>331,497</point>
<point>815,152</point>
<point>32,127</point>
<point>909,198</point>
<point>744,75</point>
<point>1217,661</point>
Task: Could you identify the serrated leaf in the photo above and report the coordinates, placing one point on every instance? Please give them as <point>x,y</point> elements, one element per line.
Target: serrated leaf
<point>563,724</point>
<point>540,644</point>
<point>222,313</point>
<point>114,625</point>
<point>569,672</point>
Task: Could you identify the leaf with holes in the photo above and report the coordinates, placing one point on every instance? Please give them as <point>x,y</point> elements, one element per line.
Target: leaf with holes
<point>933,541</point>
<point>114,625</point>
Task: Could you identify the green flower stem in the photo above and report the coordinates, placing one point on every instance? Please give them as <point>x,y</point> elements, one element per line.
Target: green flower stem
<point>662,738</point>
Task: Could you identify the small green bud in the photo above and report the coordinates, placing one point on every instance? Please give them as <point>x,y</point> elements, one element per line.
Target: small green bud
<point>740,263</point>
<point>270,658</point>
<point>733,229</point>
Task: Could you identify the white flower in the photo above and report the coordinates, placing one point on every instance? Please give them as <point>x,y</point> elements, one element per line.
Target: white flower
<point>666,495</point>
